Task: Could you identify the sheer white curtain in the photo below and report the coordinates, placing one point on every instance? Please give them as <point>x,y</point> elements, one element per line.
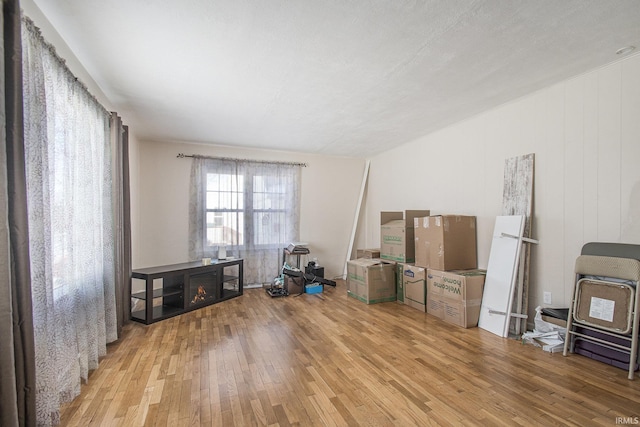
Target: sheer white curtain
<point>252,208</point>
<point>69,197</point>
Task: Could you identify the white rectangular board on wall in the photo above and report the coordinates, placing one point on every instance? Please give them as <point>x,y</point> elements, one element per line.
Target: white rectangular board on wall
<point>517,199</point>
<point>502,271</point>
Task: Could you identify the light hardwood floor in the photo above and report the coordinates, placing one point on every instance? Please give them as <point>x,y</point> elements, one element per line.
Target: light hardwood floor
<point>331,360</point>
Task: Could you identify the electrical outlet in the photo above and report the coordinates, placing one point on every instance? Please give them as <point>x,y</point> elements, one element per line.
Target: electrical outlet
<point>547,297</point>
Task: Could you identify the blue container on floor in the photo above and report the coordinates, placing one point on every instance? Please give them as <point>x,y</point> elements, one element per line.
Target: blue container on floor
<point>314,288</point>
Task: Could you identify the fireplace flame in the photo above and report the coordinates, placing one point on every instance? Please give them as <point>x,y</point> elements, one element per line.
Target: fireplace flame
<point>200,295</point>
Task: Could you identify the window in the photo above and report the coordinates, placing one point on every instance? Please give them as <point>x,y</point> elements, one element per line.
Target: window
<point>227,220</point>
<point>224,209</point>
<point>268,209</point>
<point>251,208</point>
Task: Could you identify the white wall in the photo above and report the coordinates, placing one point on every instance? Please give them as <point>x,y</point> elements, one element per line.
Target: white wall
<point>585,133</point>
<point>330,187</point>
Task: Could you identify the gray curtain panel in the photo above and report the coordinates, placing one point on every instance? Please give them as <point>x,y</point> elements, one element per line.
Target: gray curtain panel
<point>17,360</point>
<point>122,218</point>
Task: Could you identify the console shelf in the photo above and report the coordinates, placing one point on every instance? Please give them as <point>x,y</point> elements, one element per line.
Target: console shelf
<point>161,292</point>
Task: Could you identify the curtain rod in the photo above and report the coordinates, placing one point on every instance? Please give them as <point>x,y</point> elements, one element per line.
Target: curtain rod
<point>271,162</point>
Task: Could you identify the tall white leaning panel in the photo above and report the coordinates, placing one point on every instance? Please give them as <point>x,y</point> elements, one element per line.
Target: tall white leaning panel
<point>502,269</point>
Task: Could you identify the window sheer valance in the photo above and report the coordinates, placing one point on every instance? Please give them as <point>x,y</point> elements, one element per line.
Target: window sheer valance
<point>249,208</point>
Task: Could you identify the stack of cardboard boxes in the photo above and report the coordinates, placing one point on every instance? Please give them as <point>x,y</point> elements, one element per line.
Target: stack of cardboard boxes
<point>446,247</point>
<point>426,262</point>
<point>397,243</point>
<point>372,277</point>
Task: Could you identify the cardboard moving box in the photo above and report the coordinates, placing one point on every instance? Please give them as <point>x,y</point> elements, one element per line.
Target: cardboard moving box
<point>371,280</point>
<point>368,253</point>
<point>455,296</point>
<point>396,235</point>
<point>446,242</point>
<point>414,284</point>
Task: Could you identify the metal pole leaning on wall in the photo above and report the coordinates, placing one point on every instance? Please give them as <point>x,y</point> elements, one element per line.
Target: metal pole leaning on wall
<point>365,177</point>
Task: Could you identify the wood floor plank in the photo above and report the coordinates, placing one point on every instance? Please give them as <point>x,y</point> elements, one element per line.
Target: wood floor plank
<point>331,360</point>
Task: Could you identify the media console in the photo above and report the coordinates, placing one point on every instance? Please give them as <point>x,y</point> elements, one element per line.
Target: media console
<point>158,293</point>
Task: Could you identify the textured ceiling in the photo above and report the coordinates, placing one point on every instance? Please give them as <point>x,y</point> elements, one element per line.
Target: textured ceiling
<point>335,77</point>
